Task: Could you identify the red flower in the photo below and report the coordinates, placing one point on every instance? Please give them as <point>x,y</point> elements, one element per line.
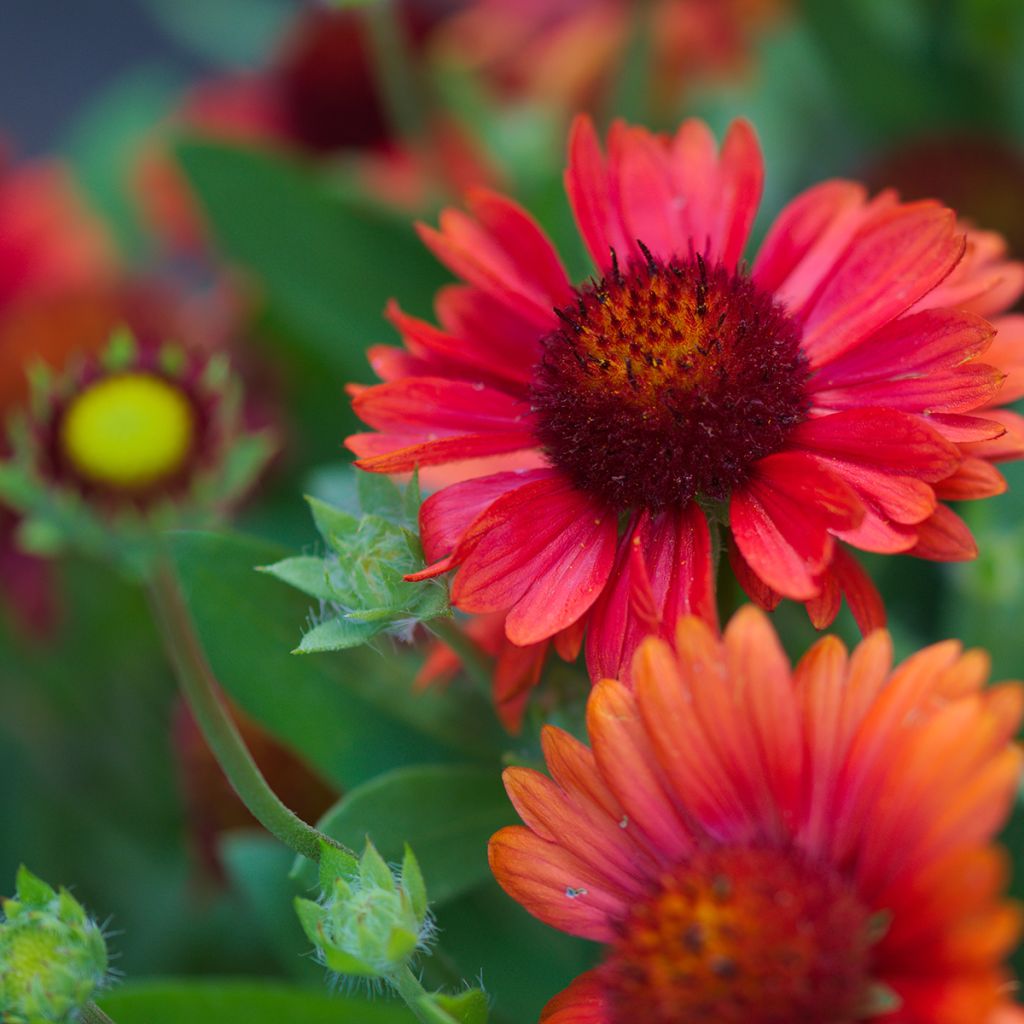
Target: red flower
<point>829,394</point>
<point>767,846</point>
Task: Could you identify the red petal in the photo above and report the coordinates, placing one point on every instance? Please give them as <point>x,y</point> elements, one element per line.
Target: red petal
<point>664,571</point>
<point>586,1001</point>
<point>895,259</point>
<point>544,551</point>
<point>462,358</point>
<point>808,234</point>
<point>589,191</point>
<point>641,181</point>
<point>945,537</point>
<point>974,478</point>
<point>753,586</point>
<point>911,346</point>
<point>446,515</point>
<point>554,886</point>
<point>436,405</point>
<point>885,439</point>
<point>430,453</point>
<point>860,592</point>
<point>740,181</point>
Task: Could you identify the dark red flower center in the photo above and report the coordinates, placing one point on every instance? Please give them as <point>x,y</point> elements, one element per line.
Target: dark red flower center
<point>743,936</point>
<point>666,382</point>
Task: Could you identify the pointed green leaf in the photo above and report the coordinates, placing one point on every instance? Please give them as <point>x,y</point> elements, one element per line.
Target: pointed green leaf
<point>32,889</point>
<point>311,916</point>
<point>373,869</point>
<point>305,573</point>
<point>413,884</point>
<point>401,945</point>
<point>335,863</point>
<point>337,634</point>
<point>380,495</point>
<point>345,963</point>
<point>333,523</point>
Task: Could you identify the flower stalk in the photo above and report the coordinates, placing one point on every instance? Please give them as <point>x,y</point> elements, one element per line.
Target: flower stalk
<point>200,688</point>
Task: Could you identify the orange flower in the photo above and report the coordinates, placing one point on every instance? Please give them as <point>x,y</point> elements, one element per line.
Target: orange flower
<point>772,846</point>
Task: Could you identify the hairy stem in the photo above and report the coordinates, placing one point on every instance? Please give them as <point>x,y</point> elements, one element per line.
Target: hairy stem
<point>408,986</point>
<point>201,691</point>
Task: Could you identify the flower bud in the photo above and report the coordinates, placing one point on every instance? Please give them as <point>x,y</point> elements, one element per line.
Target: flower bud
<point>369,921</point>
<point>52,955</point>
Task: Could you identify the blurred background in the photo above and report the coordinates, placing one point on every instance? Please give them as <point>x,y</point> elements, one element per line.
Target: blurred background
<point>242,176</point>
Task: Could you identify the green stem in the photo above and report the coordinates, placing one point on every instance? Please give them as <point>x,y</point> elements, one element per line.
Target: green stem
<point>475,661</point>
<point>201,690</point>
<point>395,69</point>
<point>92,1014</point>
<point>408,986</point>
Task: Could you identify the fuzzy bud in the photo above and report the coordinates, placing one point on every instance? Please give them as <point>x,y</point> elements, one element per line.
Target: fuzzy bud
<point>369,921</point>
<point>52,955</point>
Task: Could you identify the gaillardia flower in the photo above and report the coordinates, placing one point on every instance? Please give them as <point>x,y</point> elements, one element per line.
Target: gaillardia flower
<point>825,397</point>
<point>122,446</point>
<point>760,845</point>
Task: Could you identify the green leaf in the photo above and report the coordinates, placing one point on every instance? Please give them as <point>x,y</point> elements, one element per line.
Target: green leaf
<point>446,813</point>
<point>327,264</point>
<point>305,573</point>
<point>352,715</point>
<point>31,889</point>
<point>337,634</point>
<point>334,864</point>
<point>413,883</point>
<point>242,1002</point>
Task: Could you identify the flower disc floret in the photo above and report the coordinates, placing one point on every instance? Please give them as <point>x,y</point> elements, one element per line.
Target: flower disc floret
<point>668,381</point>
<point>129,431</point>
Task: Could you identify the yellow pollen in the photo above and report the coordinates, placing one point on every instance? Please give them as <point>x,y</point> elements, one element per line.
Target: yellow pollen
<point>129,431</point>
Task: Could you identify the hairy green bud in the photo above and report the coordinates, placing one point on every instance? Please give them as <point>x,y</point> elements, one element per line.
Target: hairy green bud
<point>52,955</point>
<point>369,921</point>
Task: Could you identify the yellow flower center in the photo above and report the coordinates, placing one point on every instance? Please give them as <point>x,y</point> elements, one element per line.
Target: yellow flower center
<point>128,431</point>
<point>742,936</point>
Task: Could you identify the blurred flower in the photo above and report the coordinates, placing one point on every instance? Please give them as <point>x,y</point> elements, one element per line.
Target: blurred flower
<point>53,956</point>
<point>54,259</point>
<point>212,806</point>
<point>318,97</point>
<point>981,178</point>
<point>121,446</point>
<point>758,844</point>
<point>568,51</point>
<point>600,435</point>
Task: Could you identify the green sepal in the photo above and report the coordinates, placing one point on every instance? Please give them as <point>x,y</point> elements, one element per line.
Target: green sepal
<point>304,572</point>
<point>335,863</point>
<point>344,963</point>
<point>402,943</point>
<point>413,884</point>
<point>311,916</point>
<point>468,1007</point>
<point>337,634</point>
<point>374,870</point>
<point>31,889</point>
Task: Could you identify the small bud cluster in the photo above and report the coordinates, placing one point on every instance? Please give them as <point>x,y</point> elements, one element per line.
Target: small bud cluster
<point>369,921</point>
<point>53,956</point>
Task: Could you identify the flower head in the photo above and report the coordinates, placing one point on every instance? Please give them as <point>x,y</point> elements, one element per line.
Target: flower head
<point>767,845</point>
<point>53,957</point>
<point>828,397</point>
<point>125,444</point>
